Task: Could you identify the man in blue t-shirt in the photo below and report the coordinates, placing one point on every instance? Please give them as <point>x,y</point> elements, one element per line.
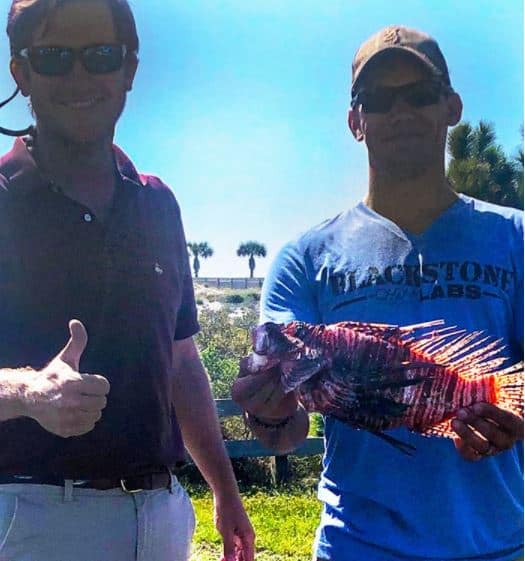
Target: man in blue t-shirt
<point>413,251</point>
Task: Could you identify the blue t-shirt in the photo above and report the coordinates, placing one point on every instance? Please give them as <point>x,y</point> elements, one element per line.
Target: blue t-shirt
<point>467,269</point>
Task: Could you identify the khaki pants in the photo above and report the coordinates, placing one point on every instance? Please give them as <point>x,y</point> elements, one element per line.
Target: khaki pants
<point>52,523</point>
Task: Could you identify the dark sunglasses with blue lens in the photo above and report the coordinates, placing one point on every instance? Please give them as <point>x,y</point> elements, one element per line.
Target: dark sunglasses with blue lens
<point>381,99</point>
<point>59,61</point>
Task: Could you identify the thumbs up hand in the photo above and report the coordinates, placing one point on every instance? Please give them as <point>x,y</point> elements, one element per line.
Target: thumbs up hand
<point>62,400</point>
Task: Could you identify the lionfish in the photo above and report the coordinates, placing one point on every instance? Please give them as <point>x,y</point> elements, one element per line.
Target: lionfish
<point>377,376</point>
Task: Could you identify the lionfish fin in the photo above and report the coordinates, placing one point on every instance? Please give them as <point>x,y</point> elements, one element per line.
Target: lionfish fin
<point>410,365</point>
<point>363,326</point>
<point>493,348</point>
<point>476,371</point>
<point>443,429</point>
<point>470,355</point>
<point>509,384</point>
<point>296,372</point>
<point>429,343</point>
<point>403,447</point>
<point>424,325</point>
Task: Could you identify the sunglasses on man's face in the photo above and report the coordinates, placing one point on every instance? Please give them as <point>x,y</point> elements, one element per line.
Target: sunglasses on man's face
<point>59,61</point>
<point>382,98</point>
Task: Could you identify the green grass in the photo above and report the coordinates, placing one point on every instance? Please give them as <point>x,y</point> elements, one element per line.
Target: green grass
<point>284,522</point>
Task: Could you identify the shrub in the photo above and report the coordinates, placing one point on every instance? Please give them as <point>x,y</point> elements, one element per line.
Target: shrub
<point>316,425</point>
<point>222,372</point>
<point>229,337</point>
<point>234,299</point>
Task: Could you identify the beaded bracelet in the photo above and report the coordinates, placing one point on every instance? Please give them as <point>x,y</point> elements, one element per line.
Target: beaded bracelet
<point>270,426</point>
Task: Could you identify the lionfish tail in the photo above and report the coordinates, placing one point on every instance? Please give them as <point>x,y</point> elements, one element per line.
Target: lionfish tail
<point>509,388</point>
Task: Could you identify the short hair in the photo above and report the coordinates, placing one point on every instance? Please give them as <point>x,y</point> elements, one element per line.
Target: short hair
<point>26,15</point>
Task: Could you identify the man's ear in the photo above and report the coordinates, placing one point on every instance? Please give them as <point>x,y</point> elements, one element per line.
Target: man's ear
<point>354,124</point>
<point>454,109</point>
<point>130,69</point>
<point>20,74</point>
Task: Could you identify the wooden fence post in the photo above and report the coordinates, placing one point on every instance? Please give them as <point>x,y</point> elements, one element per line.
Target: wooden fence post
<point>280,469</point>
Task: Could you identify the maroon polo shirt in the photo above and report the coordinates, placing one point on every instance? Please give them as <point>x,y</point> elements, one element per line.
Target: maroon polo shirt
<point>128,280</point>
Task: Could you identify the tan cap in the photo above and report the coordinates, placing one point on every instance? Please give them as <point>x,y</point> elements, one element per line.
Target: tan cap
<point>419,44</point>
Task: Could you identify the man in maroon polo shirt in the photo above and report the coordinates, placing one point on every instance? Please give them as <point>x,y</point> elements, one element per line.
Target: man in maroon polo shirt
<point>93,257</point>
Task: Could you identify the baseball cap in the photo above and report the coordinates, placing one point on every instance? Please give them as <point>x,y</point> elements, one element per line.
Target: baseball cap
<point>398,37</point>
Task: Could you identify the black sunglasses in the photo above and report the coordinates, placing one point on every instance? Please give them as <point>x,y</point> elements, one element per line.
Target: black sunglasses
<point>59,61</point>
<point>418,94</point>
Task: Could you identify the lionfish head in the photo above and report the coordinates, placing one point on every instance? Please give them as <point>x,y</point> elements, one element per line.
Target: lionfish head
<point>268,339</point>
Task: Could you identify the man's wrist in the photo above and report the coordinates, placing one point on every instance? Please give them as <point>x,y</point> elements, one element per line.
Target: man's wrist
<point>268,423</point>
<point>16,383</point>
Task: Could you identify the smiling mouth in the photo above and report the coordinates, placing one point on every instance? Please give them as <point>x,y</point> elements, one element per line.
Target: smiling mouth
<point>86,103</point>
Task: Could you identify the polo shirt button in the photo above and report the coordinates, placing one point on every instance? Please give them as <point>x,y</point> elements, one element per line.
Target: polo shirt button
<point>88,217</point>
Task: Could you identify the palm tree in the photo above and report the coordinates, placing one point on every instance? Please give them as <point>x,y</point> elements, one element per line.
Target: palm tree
<point>518,162</point>
<point>251,249</point>
<point>480,168</point>
<point>199,249</point>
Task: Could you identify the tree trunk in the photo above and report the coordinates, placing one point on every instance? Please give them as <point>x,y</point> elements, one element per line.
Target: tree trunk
<point>196,267</point>
<point>251,263</point>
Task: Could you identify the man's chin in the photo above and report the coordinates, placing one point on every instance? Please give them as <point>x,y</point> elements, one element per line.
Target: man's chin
<point>403,164</point>
<point>84,136</point>
<point>402,170</point>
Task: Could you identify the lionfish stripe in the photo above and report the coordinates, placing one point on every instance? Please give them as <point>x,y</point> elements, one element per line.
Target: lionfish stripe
<point>442,429</point>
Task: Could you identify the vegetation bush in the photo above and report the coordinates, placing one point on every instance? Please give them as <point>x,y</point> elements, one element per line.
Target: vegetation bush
<point>316,425</point>
<point>255,296</point>
<point>234,299</point>
<point>230,337</point>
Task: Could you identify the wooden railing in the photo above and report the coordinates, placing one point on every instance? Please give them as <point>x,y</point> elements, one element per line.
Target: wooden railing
<point>230,282</point>
<point>253,448</point>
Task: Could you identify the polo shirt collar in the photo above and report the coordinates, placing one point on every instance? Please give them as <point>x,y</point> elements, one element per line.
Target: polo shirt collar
<point>19,170</point>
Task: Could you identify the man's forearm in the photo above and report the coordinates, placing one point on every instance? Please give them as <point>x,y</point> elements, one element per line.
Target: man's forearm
<point>281,439</point>
<point>13,385</point>
<point>199,424</point>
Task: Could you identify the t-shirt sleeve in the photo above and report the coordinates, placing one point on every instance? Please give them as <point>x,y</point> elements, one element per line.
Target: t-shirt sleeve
<point>288,292</point>
<point>187,323</point>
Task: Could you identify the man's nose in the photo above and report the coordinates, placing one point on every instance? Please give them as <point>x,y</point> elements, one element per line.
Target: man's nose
<point>401,104</point>
<point>78,72</point>
<point>401,109</point>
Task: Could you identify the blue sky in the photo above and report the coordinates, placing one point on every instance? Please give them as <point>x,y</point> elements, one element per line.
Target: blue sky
<point>240,105</point>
